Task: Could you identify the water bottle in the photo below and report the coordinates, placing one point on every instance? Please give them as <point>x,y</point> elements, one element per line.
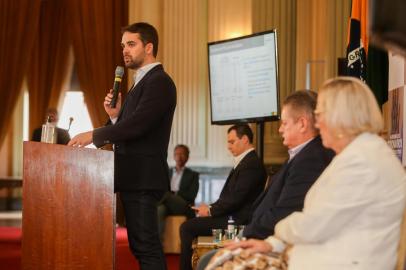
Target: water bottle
<point>231,228</point>
<point>48,133</point>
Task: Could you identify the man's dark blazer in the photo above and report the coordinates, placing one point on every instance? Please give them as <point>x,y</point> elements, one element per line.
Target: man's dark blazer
<point>188,186</point>
<point>141,134</point>
<point>62,135</point>
<point>244,184</point>
<point>287,189</point>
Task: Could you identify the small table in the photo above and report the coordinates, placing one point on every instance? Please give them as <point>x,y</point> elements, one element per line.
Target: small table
<point>9,183</point>
<point>201,245</point>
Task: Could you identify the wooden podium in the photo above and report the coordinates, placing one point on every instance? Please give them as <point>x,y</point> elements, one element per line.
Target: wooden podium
<point>68,208</point>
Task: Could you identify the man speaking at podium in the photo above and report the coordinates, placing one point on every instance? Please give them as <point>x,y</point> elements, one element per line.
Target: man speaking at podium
<point>140,128</point>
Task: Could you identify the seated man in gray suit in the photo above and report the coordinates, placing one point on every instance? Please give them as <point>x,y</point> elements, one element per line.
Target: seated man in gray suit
<point>184,188</point>
<point>307,160</point>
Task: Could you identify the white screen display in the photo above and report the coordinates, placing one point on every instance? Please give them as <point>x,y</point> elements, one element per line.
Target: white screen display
<point>243,79</point>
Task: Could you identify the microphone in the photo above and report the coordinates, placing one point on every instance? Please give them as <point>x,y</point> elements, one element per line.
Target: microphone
<point>116,86</point>
<point>70,122</point>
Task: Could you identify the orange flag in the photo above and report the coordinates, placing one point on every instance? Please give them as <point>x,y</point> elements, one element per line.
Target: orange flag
<point>357,47</point>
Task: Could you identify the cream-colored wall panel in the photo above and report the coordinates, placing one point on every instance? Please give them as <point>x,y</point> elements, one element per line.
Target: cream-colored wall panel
<point>182,29</point>
<point>279,15</point>
<point>150,11</point>
<point>321,39</point>
<point>185,59</point>
<point>229,19</point>
<point>308,30</point>
<point>146,10</point>
<point>226,19</point>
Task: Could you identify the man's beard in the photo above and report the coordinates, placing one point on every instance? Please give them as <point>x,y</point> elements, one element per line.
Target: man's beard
<point>134,64</point>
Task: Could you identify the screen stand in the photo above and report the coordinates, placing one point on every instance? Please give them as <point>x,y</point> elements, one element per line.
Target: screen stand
<point>260,141</point>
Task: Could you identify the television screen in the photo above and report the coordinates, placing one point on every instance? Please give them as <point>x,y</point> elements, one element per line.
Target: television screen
<point>243,74</point>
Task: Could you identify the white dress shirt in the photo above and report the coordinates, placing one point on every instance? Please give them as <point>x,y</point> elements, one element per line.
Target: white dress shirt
<point>175,180</point>
<point>240,157</point>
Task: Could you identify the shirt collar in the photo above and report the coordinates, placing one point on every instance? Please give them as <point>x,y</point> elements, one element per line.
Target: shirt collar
<point>143,70</point>
<point>181,170</point>
<point>295,150</point>
<point>240,157</point>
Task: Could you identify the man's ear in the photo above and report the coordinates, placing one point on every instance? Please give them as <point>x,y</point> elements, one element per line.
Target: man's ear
<point>304,123</point>
<point>149,48</point>
<point>245,139</point>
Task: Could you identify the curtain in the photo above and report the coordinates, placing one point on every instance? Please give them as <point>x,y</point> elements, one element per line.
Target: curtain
<point>18,24</point>
<point>95,30</point>
<point>48,66</point>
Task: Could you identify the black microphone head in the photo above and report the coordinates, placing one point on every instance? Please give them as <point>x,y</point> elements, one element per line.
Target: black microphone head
<point>119,71</point>
<point>116,86</point>
<point>70,122</point>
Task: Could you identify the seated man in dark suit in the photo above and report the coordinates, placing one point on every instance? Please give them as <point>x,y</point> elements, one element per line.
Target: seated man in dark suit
<point>243,185</point>
<point>62,135</point>
<point>307,160</point>
<point>184,188</point>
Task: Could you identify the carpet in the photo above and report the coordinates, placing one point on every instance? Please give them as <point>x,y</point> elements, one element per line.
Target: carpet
<point>10,251</point>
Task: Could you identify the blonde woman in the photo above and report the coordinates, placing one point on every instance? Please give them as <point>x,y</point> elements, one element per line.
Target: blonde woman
<point>352,214</point>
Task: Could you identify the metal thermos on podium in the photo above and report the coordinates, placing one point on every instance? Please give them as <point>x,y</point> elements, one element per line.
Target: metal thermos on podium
<point>48,134</point>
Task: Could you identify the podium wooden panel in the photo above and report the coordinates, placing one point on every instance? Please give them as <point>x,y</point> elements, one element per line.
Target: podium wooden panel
<point>68,208</point>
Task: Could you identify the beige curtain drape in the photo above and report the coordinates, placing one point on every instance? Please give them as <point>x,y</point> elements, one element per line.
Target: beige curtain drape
<point>95,28</point>
<point>48,66</point>
<point>18,24</point>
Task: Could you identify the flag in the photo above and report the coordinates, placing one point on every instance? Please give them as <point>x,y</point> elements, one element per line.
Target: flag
<point>357,41</point>
<point>366,62</point>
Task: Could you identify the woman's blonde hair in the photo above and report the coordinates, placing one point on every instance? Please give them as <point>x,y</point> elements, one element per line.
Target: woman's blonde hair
<point>349,106</point>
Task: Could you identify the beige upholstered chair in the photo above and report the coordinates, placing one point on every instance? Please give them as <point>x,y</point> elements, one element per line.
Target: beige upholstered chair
<point>171,241</point>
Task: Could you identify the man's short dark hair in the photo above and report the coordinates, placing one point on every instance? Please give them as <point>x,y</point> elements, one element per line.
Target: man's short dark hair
<point>184,147</point>
<point>52,110</point>
<point>147,32</point>
<point>302,101</point>
<point>241,130</point>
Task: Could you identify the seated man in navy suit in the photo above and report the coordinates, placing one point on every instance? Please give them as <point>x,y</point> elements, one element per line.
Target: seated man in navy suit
<point>184,188</point>
<point>307,160</point>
